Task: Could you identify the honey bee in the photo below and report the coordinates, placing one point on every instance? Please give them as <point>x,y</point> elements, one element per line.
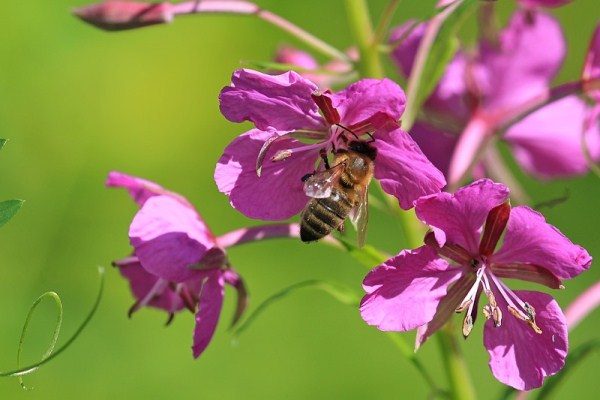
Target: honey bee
<point>338,192</point>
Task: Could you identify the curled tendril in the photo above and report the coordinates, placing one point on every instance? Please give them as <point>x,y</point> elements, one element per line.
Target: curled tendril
<point>50,353</point>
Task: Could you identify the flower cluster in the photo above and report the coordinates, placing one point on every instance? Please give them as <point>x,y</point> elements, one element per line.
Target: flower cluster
<point>502,89</point>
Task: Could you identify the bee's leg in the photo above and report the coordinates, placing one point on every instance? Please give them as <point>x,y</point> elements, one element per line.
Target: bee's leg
<point>323,155</point>
<point>341,227</point>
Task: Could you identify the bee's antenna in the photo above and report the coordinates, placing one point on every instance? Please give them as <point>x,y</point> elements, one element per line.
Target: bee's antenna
<point>349,130</point>
<point>370,136</point>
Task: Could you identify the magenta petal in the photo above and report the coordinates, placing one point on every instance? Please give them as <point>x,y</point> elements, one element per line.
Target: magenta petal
<point>281,102</point>
<point>530,239</point>
<point>169,237</point>
<point>404,54</point>
<point>521,358</point>
<point>209,309</point>
<point>458,218</point>
<point>591,68</point>
<point>404,292</point>
<point>403,169</point>
<point>363,100</point>
<point>437,146</point>
<point>544,3</point>
<point>519,68</point>
<point>142,284</point>
<point>548,142</point>
<point>281,180</point>
<point>140,189</point>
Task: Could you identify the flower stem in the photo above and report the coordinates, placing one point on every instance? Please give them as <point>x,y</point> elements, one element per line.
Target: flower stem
<point>369,64</point>
<point>461,387</point>
<point>384,22</point>
<point>307,38</point>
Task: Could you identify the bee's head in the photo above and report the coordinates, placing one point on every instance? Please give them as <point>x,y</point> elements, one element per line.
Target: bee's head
<point>363,148</point>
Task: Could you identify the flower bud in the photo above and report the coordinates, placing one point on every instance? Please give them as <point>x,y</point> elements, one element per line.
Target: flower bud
<point>115,15</point>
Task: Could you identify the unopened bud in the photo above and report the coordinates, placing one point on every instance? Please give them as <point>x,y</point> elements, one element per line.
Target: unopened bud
<point>116,15</point>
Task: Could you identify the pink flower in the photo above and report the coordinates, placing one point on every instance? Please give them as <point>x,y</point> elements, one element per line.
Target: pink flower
<point>285,108</point>
<point>525,333</point>
<point>476,91</point>
<point>177,262</point>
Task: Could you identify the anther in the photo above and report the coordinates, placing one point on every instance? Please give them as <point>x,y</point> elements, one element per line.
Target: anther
<point>467,325</point>
<point>463,306</point>
<point>281,155</point>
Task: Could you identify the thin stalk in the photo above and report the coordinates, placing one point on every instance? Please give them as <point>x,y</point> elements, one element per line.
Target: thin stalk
<point>359,20</point>
<point>307,38</point>
<point>461,387</point>
<point>384,22</point>
<point>409,354</point>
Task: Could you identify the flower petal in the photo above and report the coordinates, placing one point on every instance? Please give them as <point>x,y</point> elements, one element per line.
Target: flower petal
<point>404,54</point>
<point>404,292</point>
<point>527,272</point>
<point>446,308</point>
<point>278,193</point>
<point>233,279</point>
<point>169,237</point>
<point>530,239</point>
<point>280,102</point>
<point>437,145</point>
<point>402,168</point>
<point>591,67</point>
<point>543,3</point>
<point>520,357</point>
<point>518,68</point>
<point>142,282</point>
<point>209,309</point>
<point>458,218</point>
<point>140,189</point>
<point>548,142</point>
<point>363,100</point>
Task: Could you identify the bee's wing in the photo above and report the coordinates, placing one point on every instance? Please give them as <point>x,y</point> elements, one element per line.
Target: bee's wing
<point>320,184</point>
<point>360,214</point>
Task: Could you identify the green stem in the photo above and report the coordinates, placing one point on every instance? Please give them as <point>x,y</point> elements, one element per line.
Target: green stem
<point>409,354</point>
<point>369,64</point>
<point>461,387</point>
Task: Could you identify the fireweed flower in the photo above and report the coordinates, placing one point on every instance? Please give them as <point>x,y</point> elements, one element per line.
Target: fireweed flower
<point>525,333</point>
<point>478,90</point>
<point>261,171</point>
<point>177,262</point>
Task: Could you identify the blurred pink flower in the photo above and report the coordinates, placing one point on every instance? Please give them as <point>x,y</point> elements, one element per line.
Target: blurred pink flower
<point>177,262</point>
<point>526,332</point>
<point>286,107</point>
<point>543,3</point>
<point>591,67</point>
<point>477,90</point>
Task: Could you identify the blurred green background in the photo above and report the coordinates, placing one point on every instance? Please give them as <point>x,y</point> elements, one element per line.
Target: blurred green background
<point>77,102</point>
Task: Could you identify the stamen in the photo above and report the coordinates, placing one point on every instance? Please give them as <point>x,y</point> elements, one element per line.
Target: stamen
<point>155,291</point>
<point>463,306</point>
<point>281,155</point>
<point>467,325</point>
<point>524,311</point>
<point>275,138</point>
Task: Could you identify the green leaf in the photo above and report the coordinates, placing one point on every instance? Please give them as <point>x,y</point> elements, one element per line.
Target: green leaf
<point>22,371</point>
<point>339,292</point>
<point>438,47</point>
<point>2,143</point>
<point>8,209</point>
<point>575,357</point>
<point>367,255</point>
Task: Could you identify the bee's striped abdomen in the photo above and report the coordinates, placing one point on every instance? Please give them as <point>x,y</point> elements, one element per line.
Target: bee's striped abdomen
<point>322,216</point>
